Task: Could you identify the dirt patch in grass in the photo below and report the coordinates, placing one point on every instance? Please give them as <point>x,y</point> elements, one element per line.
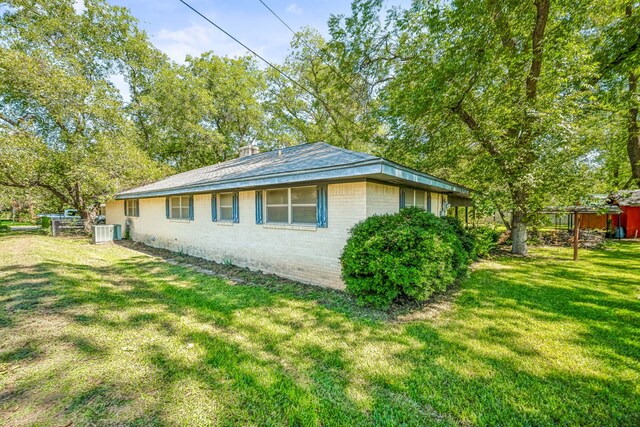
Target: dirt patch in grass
<point>401,311</point>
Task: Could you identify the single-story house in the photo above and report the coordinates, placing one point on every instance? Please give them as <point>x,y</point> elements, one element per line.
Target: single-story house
<point>286,211</point>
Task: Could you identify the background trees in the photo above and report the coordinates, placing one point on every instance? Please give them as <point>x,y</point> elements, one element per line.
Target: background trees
<point>62,123</point>
<point>490,94</point>
<point>529,103</point>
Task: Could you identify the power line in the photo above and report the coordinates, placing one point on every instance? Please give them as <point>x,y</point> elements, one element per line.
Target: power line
<point>337,73</point>
<point>254,52</point>
<point>291,79</point>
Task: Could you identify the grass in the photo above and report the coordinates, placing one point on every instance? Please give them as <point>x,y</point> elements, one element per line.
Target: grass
<point>103,335</point>
<point>10,223</point>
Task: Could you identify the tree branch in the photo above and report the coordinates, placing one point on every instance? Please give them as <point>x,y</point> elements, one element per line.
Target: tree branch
<point>8,120</point>
<point>537,37</point>
<point>502,25</point>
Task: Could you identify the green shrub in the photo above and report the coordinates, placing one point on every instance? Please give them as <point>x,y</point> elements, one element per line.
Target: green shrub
<point>411,254</point>
<point>486,240</point>
<point>466,238</point>
<point>45,223</point>
<point>4,228</point>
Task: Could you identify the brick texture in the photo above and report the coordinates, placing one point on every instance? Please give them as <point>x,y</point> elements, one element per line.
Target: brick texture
<point>306,254</point>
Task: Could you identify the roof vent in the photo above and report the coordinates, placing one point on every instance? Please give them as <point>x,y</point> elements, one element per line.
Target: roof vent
<point>248,150</point>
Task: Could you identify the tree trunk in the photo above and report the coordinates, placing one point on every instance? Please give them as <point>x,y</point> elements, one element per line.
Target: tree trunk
<point>89,217</point>
<point>518,233</point>
<point>633,134</point>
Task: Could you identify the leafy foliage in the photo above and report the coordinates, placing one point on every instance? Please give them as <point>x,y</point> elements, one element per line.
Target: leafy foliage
<point>411,254</point>
<point>485,240</point>
<point>485,93</point>
<point>323,105</point>
<point>62,123</point>
<point>45,223</point>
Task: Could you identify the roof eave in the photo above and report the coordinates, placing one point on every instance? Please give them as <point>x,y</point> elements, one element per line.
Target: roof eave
<point>378,168</point>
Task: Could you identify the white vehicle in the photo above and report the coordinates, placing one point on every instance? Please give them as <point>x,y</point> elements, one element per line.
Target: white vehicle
<point>68,214</point>
<point>73,214</point>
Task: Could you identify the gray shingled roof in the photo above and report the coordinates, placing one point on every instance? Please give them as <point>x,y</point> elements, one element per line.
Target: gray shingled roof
<point>628,197</point>
<point>291,164</point>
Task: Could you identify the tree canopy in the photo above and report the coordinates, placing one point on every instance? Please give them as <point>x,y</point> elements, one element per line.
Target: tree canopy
<point>528,103</point>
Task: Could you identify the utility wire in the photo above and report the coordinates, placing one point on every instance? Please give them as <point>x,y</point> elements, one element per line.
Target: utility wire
<point>291,79</point>
<point>312,48</point>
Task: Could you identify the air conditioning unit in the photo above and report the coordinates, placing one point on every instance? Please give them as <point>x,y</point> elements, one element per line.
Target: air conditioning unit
<point>117,232</point>
<point>102,233</point>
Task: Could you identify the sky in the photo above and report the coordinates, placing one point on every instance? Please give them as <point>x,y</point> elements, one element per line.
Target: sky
<point>178,31</point>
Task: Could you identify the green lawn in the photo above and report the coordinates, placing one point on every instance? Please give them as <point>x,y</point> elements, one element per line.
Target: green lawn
<point>103,335</point>
<point>10,223</point>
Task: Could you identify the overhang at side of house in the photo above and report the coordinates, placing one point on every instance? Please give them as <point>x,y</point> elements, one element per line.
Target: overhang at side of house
<point>355,166</point>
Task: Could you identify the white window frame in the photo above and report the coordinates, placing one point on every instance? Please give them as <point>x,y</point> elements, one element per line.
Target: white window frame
<point>219,204</point>
<point>132,209</point>
<point>290,205</point>
<point>171,206</point>
<point>277,205</point>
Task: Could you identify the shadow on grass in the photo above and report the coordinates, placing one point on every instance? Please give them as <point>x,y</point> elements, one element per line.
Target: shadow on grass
<point>279,355</point>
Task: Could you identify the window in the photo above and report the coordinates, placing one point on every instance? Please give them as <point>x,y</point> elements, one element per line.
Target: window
<point>295,205</point>
<point>179,207</point>
<point>303,205</point>
<point>226,206</point>
<point>278,205</point>
<point>131,207</point>
<point>413,198</point>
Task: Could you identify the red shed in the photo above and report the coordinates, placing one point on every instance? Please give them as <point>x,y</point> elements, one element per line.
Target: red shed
<point>629,202</point>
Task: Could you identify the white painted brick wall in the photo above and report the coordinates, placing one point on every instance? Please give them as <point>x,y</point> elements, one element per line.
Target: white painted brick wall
<point>382,199</point>
<point>306,254</point>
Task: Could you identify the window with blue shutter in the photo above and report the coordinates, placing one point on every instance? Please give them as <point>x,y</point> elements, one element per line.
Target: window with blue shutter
<point>236,207</point>
<point>259,209</point>
<point>180,207</point>
<point>403,196</point>
<point>214,207</point>
<point>321,209</point>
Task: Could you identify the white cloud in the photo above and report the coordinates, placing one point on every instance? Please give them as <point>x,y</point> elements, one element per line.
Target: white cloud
<point>121,84</point>
<point>79,6</point>
<point>294,9</point>
<point>194,40</point>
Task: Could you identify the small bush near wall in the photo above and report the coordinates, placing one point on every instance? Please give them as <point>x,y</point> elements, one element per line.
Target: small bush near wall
<point>466,238</point>
<point>485,239</point>
<point>411,254</point>
<point>45,223</point>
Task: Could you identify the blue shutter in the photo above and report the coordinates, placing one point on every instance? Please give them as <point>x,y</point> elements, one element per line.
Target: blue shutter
<point>402,198</point>
<point>321,207</point>
<point>259,211</point>
<point>125,207</point>
<point>429,201</point>
<point>190,208</point>
<point>214,207</point>
<point>236,207</point>
<point>167,208</point>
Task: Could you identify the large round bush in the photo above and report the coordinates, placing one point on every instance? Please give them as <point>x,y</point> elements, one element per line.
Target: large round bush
<point>411,254</point>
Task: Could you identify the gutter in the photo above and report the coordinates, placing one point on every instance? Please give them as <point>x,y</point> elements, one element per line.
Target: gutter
<point>359,169</point>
